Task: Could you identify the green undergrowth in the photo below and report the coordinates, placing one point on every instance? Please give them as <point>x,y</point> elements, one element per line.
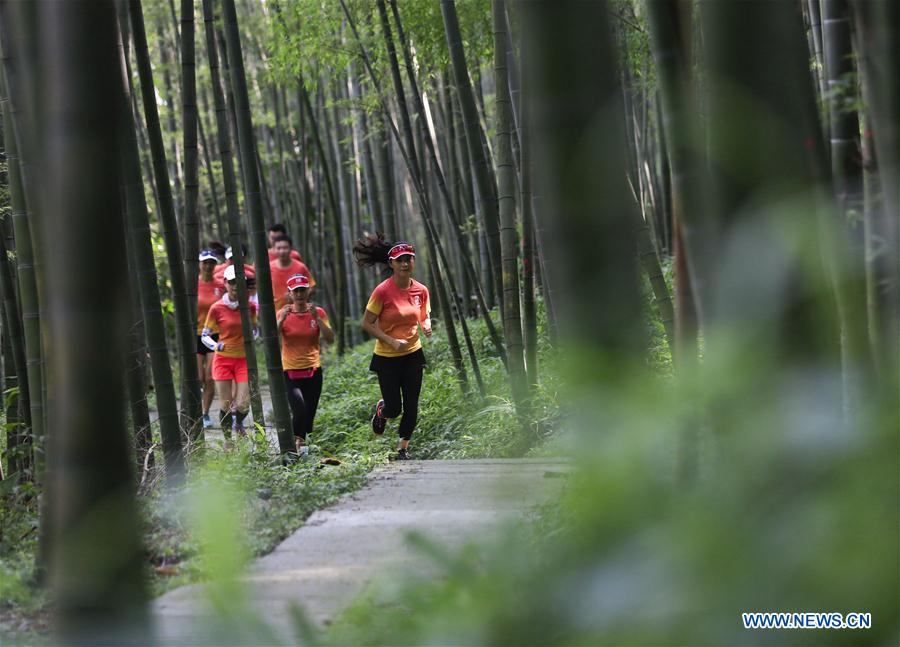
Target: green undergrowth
<point>22,603</point>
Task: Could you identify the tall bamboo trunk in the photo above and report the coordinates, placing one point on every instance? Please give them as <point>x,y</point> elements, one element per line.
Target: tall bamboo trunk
<point>347,202</point>
<point>147,281</point>
<point>529,249</point>
<point>168,94</point>
<point>383,169</point>
<point>136,362</point>
<point>338,249</point>
<point>14,416</point>
<point>671,32</point>
<point>438,172</point>
<point>207,165</point>
<point>373,187</point>
<point>232,114</point>
<point>815,26</point>
<point>846,173</point>
<point>232,209</point>
<point>878,24</point>
<point>798,330</point>
<point>25,346</point>
<point>571,72</point>
<point>191,218</point>
<point>474,137</point>
<point>529,255</point>
<point>97,564</point>
<point>184,316</point>
<point>664,172</point>
<point>19,446</point>
<point>509,239</point>
<point>257,232</point>
<point>27,274</point>
<point>451,163</point>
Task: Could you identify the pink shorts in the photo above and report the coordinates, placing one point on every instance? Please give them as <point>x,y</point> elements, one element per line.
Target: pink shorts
<point>230,368</point>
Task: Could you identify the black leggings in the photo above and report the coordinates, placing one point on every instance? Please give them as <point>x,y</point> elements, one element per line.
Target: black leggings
<point>303,396</point>
<point>400,379</point>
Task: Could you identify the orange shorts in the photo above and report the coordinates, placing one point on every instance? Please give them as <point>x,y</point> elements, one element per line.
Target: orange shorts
<point>230,368</point>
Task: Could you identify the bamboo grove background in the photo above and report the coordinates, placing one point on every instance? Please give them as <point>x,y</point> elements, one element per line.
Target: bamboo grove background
<point>549,151</point>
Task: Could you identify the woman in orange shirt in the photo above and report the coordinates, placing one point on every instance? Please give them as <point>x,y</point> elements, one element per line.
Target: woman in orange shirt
<point>209,290</point>
<point>230,361</point>
<point>397,308</point>
<point>301,325</point>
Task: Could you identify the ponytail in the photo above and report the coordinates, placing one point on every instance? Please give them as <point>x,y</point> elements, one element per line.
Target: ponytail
<point>372,249</point>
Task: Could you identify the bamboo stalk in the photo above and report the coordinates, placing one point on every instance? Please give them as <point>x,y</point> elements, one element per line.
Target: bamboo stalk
<point>257,233</point>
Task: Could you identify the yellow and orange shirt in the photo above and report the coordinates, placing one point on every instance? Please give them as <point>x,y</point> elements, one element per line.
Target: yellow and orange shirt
<point>300,340</point>
<point>227,323</point>
<point>280,275</point>
<point>399,311</point>
<point>207,294</point>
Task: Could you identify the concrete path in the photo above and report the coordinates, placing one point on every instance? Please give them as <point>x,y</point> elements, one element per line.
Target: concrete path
<point>324,565</point>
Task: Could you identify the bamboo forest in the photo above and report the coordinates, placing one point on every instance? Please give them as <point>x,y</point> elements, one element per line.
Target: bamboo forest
<point>450,322</point>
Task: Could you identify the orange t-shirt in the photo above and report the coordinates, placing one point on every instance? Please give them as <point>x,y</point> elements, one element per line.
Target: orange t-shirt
<point>294,254</point>
<point>280,275</point>
<point>219,272</point>
<point>227,322</point>
<point>300,340</point>
<point>207,294</point>
<point>399,314</point>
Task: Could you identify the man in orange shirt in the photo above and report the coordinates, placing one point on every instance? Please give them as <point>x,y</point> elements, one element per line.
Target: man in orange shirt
<point>280,230</point>
<point>283,268</point>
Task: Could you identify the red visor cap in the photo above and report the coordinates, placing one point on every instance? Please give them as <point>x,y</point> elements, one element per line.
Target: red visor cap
<point>297,281</point>
<point>401,249</point>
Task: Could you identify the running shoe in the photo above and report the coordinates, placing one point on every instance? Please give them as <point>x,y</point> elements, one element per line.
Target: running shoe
<point>403,455</point>
<point>378,421</point>
<point>207,422</point>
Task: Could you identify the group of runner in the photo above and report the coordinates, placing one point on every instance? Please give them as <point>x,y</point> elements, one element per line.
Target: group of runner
<point>398,307</point>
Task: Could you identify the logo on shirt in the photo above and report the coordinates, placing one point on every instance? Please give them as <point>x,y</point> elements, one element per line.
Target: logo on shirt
<point>417,300</point>
<point>313,324</point>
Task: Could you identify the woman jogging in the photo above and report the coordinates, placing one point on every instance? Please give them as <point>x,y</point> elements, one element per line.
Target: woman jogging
<point>396,309</point>
<point>301,325</point>
<point>230,361</point>
<point>209,290</point>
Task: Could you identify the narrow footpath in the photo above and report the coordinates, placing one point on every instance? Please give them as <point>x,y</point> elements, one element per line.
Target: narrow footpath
<point>326,563</point>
